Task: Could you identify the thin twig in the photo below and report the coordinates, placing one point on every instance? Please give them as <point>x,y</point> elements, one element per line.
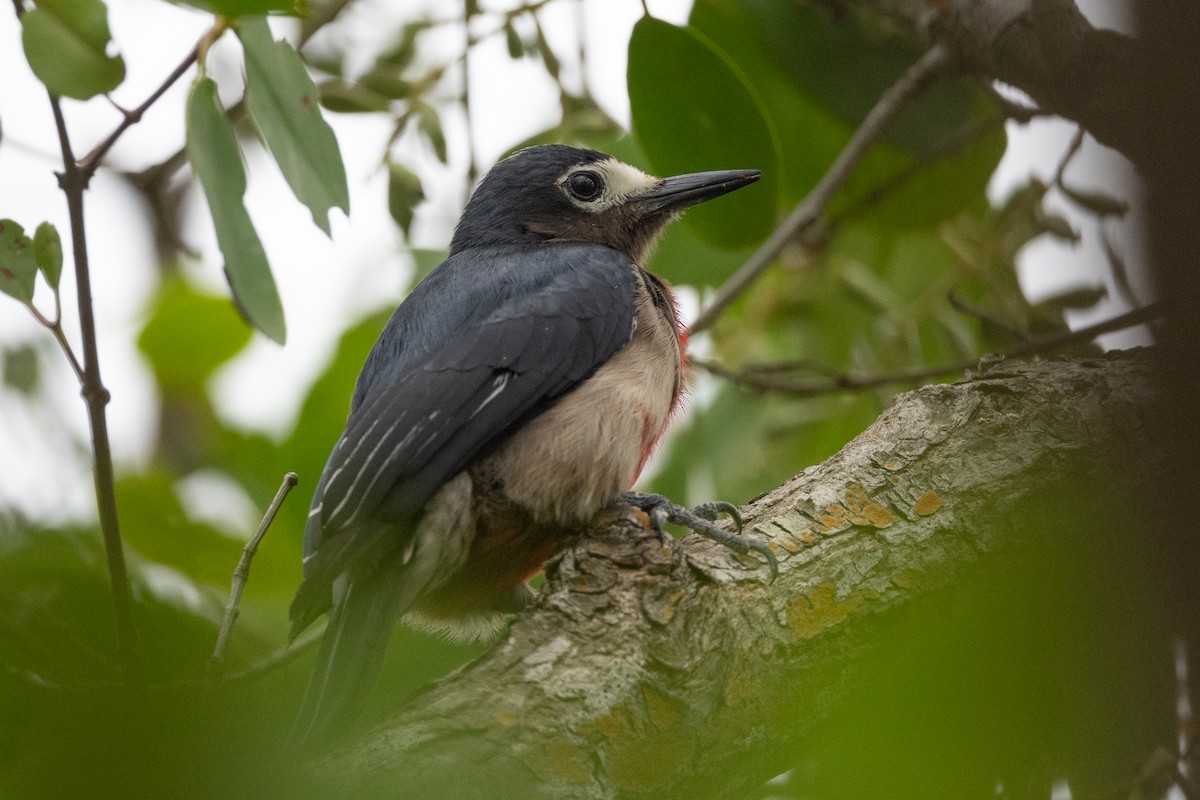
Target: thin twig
<point>762,377</point>
<point>908,86</point>
<point>91,162</point>
<point>241,574</point>
<point>280,657</point>
<point>73,182</point>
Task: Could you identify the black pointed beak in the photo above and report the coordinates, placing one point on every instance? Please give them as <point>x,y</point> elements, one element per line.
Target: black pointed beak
<point>683,191</point>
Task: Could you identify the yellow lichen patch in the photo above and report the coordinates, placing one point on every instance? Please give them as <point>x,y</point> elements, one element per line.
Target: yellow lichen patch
<point>865,510</point>
<point>927,504</point>
<point>635,761</point>
<point>560,761</point>
<point>835,519</point>
<point>821,609</point>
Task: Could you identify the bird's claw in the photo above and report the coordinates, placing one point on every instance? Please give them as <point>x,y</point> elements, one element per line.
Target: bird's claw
<point>712,511</point>
<point>700,519</point>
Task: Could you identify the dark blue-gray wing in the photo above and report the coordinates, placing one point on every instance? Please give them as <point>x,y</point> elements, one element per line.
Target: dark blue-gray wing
<point>503,352</point>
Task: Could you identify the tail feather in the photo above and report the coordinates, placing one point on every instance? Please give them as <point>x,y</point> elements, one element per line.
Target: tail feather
<point>348,660</point>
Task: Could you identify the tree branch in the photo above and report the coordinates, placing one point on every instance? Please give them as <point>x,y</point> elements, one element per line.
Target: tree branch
<point>809,210</point>
<point>73,182</point>
<point>1045,48</point>
<point>646,671</point>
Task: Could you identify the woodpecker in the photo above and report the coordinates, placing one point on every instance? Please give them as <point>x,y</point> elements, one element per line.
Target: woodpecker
<point>517,390</point>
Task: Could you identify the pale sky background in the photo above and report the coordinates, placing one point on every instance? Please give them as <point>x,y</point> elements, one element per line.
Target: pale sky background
<point>326,284</point>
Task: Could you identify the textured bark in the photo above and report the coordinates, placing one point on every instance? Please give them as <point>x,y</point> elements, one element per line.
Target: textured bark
<point>1047,49</point>
<point>652,671</point>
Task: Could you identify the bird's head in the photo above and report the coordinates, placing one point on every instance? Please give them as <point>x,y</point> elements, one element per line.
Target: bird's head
<point>567,193</point>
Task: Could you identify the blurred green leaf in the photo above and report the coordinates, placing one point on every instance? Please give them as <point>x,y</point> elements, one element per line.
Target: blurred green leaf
<point>404,194</point>
<point>693,111</point>
<point>344,97</point>
<point>66,43</point>
<point>386,82</point>
<point>21,369</point>
<point>401,54</point>
<point>429,124</point>
<point>284,102</point>
<point>179,357</point>
<point>512,40</point>
<point>818,74</point>
<point>546,52</point>
<point>18,265</point>
<point>212,149</point>
<point>47,250</point>
<point>249,8</point>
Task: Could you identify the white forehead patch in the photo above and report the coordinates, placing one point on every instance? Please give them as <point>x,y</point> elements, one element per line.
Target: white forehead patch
<point>621,181</point>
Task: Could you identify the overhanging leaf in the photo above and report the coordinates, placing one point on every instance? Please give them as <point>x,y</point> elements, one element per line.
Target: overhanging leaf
<point>180,359</point>
<point>66,43</point>
<point>284,102</point>
<point>47,251</point>
<point>404,193</point>
<point>18,268</point>
<point>212,149</point>
<point>693,111</point>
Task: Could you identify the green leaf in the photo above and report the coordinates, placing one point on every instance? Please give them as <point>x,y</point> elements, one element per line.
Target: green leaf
<point>21,369</point>
<point>179,357</point>
<point>212,149</point>
<point>401,55</point>
<point>284,102</point>
<point>818,74</point>
<point>512,39</point>
<point>47,251</point>
<point>693,111</point>
<point>429,124</point>
<point>18,267</point>
<point>404,193</point>
<point>386,82</point>
<point>249,8</point>
<point>66,43</point>
<point>344,97</point>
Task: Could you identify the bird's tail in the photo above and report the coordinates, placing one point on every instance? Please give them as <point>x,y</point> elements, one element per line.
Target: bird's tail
<point>348,660</point>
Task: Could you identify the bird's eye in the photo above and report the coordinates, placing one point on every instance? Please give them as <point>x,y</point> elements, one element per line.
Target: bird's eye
<point>585,185</point>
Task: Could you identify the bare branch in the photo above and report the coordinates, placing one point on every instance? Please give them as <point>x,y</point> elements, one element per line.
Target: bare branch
<point>73,182</point>
<point>1045,48</point>
<point>811,207</point>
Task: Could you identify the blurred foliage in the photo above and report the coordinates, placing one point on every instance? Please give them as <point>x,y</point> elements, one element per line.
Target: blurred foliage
<point>771,84</point>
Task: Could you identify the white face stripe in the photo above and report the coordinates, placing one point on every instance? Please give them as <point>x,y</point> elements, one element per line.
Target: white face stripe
<point>621,181</point>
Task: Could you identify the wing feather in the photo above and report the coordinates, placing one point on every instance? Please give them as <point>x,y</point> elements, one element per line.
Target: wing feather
<point>487,341</point>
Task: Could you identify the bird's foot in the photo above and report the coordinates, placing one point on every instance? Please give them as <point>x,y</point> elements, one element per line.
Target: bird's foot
<point>700,519</point>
